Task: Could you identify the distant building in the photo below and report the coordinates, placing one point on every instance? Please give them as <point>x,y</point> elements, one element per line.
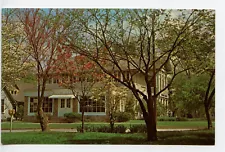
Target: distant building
<point>7,103</point>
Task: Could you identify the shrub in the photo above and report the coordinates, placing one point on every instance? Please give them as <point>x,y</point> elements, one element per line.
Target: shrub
<point>72,117</point>
<point>19,113</point>
<point>181,119</point>
<point>123,117</point>
<point>105,129</point>
<point>138,129</point>
<point>119,129</point>
<point>166,118</point>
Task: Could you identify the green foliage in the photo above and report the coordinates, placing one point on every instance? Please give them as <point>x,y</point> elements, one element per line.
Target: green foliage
<point>161,109</point>
<point>129,107</point>
<point>120,129</point>
<point>166,118</point>
<point>104,128</point>
<point>189,94</point>
<point>181,119</point>
<point>72,117</point>
<point>138,128</point>
<point>29,78</point>
<point>123,116</point>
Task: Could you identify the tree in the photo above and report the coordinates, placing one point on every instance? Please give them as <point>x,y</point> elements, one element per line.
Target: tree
<point>116,96</point>
<point>202,46</point>
<point>42,32</point>
<point>128,40</point>
<point>189,95</point>
<point>15,62</point>
<point>77,73</point>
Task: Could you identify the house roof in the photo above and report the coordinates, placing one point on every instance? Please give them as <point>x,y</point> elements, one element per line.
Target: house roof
<point>9,96</point>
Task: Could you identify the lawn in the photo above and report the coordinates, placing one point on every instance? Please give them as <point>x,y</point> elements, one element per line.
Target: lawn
<point>201,137</point>
<point>160,124</point>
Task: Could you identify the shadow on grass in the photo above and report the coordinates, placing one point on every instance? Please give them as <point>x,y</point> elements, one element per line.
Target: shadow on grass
<point>164,138</point>
<point>112,140</point>
<point>201,137</point>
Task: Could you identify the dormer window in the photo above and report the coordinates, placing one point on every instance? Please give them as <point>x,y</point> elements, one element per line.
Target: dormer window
<point>14,92</point>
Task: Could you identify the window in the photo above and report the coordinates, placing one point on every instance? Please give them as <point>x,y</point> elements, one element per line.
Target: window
<point>68,103</point>
<point>13,91</point>
<point>33,104</point>
<point>62,103</point>
<point>92,105</point>
<point>47,104</point>
<point>3,105</point>
<point>55,80</point>
<point>122,105</point>
<point>49,81</point>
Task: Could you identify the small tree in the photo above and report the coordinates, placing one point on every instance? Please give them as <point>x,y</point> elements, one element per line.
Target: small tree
<point>43,30</point>
<point>77,73</point>
<point>15,61</point>
<point>116,96</point>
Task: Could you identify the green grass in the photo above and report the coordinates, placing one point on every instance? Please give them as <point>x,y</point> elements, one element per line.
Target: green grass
<point>160,124</point>
<point>202,137</point>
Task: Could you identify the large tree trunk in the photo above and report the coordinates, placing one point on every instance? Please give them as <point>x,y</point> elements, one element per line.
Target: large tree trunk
<point>151,128</point>
<point>41,89</point>
<point>208,99</point>
<point>43,120</point>
<point>208,117</point>
<point>149,117</point>
<point>150,120</point>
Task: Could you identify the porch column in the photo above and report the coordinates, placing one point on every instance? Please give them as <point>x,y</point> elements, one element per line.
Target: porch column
<point>55,107</point>
<point>75,105</point>
<point>26,106</point>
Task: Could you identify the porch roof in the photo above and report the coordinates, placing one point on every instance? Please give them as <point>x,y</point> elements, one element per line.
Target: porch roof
<point>62,96</point>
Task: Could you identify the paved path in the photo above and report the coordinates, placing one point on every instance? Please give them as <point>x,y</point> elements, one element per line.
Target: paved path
<point>75,130</point>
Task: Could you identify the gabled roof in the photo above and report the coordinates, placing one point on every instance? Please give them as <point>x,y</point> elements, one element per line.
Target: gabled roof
<point>9,96</point>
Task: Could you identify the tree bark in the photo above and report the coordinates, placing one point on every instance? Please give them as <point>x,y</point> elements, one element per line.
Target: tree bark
<point>208,117</point>
<point>148,117</point>
<point>41,89</point>
<point>82,127</point>
<point>151,128</point>
<point>111,122</point>
<point>150,121</point>
<point>43,120</point>
<point>208,99</point>
<point>82,103</point>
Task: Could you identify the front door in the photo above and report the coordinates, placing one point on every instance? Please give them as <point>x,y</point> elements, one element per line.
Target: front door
<point>64,106</point>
